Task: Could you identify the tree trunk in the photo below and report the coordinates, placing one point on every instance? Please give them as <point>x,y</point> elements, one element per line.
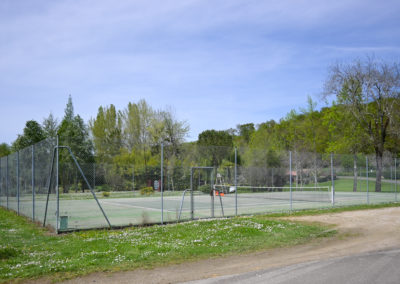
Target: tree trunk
<point>378,184</point>
<point>355,173</point>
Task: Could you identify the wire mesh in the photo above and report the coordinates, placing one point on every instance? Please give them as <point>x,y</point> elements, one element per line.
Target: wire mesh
<point>43,158</point>
<point>197,182</point>
<point>25,182</point>
<point>12,182</point>
<point>3,193</point>
<point>350,179</point>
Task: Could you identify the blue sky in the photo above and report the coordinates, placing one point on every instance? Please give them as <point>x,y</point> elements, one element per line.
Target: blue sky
<point>216,63</point>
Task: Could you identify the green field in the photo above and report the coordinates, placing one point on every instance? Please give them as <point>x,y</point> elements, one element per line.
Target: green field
<point>346,184</point>
<point>28,252</point>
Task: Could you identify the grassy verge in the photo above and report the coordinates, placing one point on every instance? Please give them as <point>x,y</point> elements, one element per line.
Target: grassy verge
<point>27,251</point>
<point>310,212</point>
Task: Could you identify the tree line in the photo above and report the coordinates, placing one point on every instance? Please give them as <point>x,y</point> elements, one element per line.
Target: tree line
<point>361,117</point>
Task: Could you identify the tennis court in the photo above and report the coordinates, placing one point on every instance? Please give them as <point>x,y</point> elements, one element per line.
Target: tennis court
<point>84,213</point>
<point>71,196</point>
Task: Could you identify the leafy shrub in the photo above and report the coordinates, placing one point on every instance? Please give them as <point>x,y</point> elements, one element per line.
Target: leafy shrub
<point>205,188</point>
<point>128,185</point>
<point>146,190</point>
<point>104,187</point>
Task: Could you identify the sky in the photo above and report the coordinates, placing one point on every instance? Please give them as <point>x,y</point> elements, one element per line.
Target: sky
<point>215,63</point>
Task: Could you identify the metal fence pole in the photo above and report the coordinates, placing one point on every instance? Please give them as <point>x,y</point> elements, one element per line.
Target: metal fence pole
<point>133,177</point>
<point>33,182</point>
<point>94,176</point>
<point>366,165</point>
<point>290,179</point>
<point>1,180</point>
<point>391,178</point>
<point>162,188</point>
<point>18,182</point>
<point>395,179</point>
<point>212,195</point>
<point>236,205</point>
<point>191,194</point>
<point>57,187</point>
<point>333,181</point>
<point>7,181</point>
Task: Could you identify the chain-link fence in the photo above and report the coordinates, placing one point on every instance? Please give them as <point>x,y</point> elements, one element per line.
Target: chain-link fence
<point>163,184</point>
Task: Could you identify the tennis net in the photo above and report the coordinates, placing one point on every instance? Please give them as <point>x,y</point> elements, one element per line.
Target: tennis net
<point>309,194</point>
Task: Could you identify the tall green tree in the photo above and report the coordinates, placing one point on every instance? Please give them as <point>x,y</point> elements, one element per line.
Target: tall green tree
<point>73,133</point>
<point>136,123</point>
<point>369,90</point>
<point>5,150</point>
<point>50,126</point>
<point>245,131</point>
<point>106,130</point>
<point>32,134</point>
<point>217,145</point>
<point>345,136</point>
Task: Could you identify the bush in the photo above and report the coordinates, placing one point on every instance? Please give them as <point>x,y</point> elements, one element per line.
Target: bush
<point>128,185</point>
<point>106,194</point>
<point>104,187</point>
<point>146,190</point>
<point>205,188</point>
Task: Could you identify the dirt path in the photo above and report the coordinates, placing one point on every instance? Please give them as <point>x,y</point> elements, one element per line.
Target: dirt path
<point>359,232</point>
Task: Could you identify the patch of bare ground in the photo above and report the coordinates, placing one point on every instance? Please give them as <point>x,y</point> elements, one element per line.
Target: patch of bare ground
<point>359,232</point>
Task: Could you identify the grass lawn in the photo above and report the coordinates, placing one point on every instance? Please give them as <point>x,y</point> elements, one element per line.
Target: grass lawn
<point>27,251</point>
<point>347,185</point>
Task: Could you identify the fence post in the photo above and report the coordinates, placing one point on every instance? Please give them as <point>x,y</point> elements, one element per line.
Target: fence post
<point>395,179</point>
<point>18,182</point>
<point>391,178</point>
<point>333,181</point>
<point>57,187</point>
<point>290,179</point>
<point>7,181</point>
<point>1,180</point>
<point>366,165</point>
<point>162,188</point>
<point>212,195</point>
<point>133,177</point>
<point>94,175</point>
<point>191,194</point>
<point>236,205</point>
<point>33,182</point>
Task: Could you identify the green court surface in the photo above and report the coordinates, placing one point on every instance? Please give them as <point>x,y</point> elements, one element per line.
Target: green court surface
<point>81,211</point>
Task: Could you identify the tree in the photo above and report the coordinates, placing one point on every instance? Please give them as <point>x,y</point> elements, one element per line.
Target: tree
<point>136,121</point>
<point>73,132</point>
<point>245,131</point>
<point>50,126</point>
<point>345,136</point>
<point>69,110</point>
<point>5,150</point>
<point>32,134</point>
<point>106,130</point>
<point>369,90</point>
<point>217,145</point>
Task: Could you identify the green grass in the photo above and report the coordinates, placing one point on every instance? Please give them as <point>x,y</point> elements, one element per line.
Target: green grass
<point>347,185</point>
<point>27,251</point>
<point>309,212</point>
